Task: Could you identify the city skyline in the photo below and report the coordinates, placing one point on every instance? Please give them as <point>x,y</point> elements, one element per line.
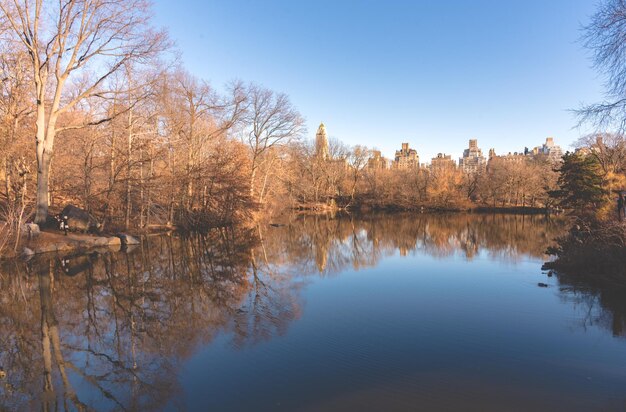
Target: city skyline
<point>409,156</point>
<point>473,161</point>
<point>425,159</point>
<point>433,75</point>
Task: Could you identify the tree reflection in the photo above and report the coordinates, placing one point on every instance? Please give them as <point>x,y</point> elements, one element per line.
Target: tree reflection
<point>600,304</point>
<point>112,333</point>
<point>109,330</point>
<point>325,245</point>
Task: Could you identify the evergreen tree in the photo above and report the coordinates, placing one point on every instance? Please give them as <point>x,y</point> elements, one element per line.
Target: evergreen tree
<point>580,184</point>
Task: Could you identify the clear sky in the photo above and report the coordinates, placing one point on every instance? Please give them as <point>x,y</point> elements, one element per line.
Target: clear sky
<point>433,73</point>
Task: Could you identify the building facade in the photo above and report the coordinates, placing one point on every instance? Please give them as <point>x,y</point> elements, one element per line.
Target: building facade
<point>406,158</point>
<point>377,161</point>
<point>509,158</point>
<point>473,160</point>
<point>321,143</point>
<point>553,151</point>
<point>442,163</point>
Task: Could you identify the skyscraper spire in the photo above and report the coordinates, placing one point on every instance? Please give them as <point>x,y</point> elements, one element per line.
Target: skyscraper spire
<point>321,142</point>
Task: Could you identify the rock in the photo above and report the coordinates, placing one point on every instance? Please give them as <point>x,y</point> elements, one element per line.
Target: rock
<point>27,252</point>
<point>542,285</point>
<point>52,222</point>
<point>56,247</point>
<point>77,219</point>
<point>30,229</point>
<point>130,248</point>
<point>114,241</point>
<point>127,239</point>
<point>3,374</point>
<point>107,241</point>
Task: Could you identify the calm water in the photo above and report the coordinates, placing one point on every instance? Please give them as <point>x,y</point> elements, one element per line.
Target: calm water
<point>406,312</point>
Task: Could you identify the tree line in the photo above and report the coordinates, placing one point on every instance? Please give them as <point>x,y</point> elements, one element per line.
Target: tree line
<point>350,183</point>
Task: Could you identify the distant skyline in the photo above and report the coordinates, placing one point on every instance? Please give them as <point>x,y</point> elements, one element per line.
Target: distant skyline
<point>434,74</point>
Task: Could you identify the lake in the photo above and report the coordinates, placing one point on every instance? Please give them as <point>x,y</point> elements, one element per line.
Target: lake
<point>383,312</point>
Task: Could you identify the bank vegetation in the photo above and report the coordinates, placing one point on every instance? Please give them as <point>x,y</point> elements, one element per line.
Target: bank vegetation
<point>592,180</point>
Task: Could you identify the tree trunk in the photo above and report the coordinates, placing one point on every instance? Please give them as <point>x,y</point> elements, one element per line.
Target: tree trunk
<point>87,168</point>
<point>43,173</point>
<point>7,178</point>
<point>109,211</point>
<point>267,173</point>
<point>149,194</point>
<point>141,190</point>
<point>252,177</point>
<point>46,344</point>
<point>129,148</point>
<point>189,175</point>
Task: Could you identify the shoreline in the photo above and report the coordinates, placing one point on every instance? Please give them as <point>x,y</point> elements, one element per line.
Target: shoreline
<point>358,209</point>
<point>57,242</point>
<point>46,242</point>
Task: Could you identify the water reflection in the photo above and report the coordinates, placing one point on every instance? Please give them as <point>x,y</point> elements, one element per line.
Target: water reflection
<point>325,245</point>
<point>601,306</point>
<point>110,330</point>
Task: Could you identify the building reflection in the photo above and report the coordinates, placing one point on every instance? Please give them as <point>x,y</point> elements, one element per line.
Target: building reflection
<point>326,245</point>
<point>110,330</point>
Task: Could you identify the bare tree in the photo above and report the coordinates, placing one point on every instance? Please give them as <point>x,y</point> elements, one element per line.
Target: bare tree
<point>197,115</point>
<point>79,43</point>
<point>357,161</point>
<point>609,149</point>
<point>605,36</point>
<point>271,121</point>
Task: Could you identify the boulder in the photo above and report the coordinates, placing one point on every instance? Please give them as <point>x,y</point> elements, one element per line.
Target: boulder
<point>127,239</point>
<point>114,241</point>
<point>30,230</point>
<point>105,241</point>
<point>78,220</point>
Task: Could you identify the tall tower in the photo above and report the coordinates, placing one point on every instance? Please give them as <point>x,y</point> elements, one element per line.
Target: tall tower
<point>321,142</point>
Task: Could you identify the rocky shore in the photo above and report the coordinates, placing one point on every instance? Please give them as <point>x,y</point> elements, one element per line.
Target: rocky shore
<point>34,241</point>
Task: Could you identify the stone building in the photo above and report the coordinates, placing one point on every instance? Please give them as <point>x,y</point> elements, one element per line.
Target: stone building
<point>553,151</point>
<point>473,160</point>
<point>406,158</point>
<point>442,163</point>
<point>509,158</point>
<point>322,151</point>
<point>597,147</point>
<point>321,143</point>
<point>515,157</point>
<point>548,149</point>
<point>377,161</point>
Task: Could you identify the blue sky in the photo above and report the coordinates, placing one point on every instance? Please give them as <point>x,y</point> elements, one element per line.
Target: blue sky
<point>379,73</point>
